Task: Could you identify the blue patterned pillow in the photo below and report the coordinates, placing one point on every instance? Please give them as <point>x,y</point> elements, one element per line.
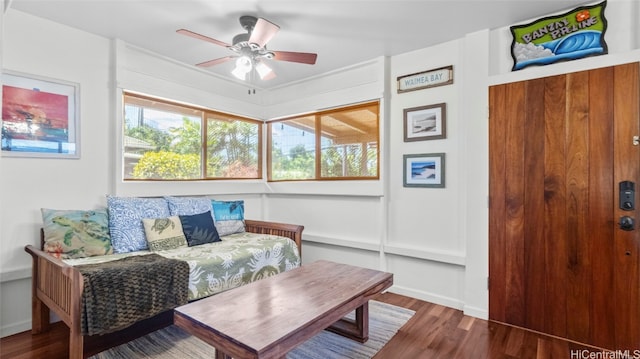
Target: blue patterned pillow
<point>125,220</point>
<point>229,216</point>
<point>75,233</point>
<point>183,206</point>
<point>199,229</point>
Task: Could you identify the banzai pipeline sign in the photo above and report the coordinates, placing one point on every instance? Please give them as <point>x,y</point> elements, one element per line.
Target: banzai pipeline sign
<point>575,34</point>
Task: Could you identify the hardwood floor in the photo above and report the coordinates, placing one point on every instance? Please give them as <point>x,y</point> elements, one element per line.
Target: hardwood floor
<point>433,332</point>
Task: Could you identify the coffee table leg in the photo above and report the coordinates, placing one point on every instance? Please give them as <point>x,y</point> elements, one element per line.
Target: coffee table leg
<point>357,329</point>
<point>221,355</point>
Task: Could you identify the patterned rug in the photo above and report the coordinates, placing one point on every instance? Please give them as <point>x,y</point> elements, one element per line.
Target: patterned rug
<point>384,322</point>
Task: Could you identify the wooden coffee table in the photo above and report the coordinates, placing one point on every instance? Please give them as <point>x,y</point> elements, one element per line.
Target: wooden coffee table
<point>270,317</point>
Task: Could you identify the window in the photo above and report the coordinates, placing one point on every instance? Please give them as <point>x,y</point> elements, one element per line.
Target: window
<point>165,141</point>
<point>341,143</point>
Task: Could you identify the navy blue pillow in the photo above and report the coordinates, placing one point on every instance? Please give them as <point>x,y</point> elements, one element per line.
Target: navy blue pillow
<point>199,229</point>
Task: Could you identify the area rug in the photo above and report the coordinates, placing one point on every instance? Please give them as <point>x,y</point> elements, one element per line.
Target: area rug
<point>172,342</point>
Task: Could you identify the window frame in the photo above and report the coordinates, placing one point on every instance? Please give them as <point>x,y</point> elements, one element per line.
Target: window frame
<point>318,143</point>
<point>206,114</point>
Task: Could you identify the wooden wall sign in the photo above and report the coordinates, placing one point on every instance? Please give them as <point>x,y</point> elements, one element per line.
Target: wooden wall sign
<point>421,80</point>
<point>575,34</point>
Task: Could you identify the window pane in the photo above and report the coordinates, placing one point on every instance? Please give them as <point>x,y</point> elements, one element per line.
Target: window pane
<point>233,148</point>
<point>293,149</point>
<point>350,142</point>
<point>161,141</point>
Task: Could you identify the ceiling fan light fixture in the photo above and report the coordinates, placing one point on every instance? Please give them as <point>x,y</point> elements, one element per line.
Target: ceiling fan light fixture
<point>239,74</point>
<point>263,70</point>
<point>244,65</point>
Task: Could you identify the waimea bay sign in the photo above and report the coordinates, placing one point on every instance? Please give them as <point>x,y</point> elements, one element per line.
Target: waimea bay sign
<point>436,77</point>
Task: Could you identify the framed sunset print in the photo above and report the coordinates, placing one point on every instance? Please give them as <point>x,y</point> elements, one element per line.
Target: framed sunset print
<point>39,117</point>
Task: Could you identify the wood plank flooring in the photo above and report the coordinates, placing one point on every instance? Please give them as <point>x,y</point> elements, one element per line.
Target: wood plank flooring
<point>433,332</point>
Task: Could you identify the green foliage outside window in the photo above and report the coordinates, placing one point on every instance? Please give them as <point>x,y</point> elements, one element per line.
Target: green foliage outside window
<point>158,139</point>
<point>232,150</point>
<point>298,164</point>
<point>167,165</point>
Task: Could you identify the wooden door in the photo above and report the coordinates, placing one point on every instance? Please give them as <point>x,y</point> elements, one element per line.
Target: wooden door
<point>559,263</point>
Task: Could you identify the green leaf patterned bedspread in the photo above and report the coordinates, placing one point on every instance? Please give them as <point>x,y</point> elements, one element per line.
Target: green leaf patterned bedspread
<point>238,259</point>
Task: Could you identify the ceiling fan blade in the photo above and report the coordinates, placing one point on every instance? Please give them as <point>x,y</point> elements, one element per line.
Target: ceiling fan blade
<point>215,61</point>
<point>302,57</point>
<point>263,31</point>
<point>202,37</point>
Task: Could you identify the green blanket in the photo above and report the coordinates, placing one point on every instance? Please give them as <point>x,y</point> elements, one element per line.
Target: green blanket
<point>119,293</point>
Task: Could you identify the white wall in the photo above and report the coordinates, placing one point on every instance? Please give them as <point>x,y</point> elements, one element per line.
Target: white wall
<point>433,240</point>
<point>42,48</point>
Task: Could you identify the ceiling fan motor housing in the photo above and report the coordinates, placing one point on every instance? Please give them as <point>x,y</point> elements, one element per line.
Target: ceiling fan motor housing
<point>248,22</point>
<point>240,38</point>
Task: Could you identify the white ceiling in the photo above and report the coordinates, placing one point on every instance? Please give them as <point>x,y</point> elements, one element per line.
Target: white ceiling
<point>341,32</point>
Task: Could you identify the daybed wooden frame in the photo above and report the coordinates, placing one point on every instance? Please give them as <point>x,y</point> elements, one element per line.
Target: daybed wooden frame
<point>57,287</point>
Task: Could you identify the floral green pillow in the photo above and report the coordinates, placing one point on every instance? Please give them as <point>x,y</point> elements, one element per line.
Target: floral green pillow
<point>76,233</point>
<point>164,233</point>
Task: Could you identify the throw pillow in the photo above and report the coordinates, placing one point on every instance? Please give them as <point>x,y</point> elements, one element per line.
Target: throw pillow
<point>125,220</point>
<point>164,233</point>
<point>76,233</point>
<point>229,216</point>
<point>183,206</point>
<point>199,229</point>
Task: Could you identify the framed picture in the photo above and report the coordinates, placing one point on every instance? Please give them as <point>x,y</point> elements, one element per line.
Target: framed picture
<point>425,122</point>
<point>424,170</point>
<point>39,117</point>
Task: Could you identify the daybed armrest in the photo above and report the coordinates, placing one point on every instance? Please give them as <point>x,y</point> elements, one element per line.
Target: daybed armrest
<point>56,286</point>
<point>55,283</point>
<point>292,231</point>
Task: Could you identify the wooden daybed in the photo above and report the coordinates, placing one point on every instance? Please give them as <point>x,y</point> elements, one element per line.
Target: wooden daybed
<point>58,287</point>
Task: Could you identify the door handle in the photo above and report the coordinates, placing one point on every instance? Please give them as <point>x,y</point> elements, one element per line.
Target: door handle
<point>626,223</point>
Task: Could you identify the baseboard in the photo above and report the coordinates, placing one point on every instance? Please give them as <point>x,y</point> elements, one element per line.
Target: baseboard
<point>15,328</point>
<point>476,312</point>
<point>428,297</point>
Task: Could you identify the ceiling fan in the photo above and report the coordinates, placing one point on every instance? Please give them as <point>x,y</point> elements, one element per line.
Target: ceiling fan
<point>251,49</point>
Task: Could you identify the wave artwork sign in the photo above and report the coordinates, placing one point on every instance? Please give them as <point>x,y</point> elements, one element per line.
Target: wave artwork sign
<point>575,34</point>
